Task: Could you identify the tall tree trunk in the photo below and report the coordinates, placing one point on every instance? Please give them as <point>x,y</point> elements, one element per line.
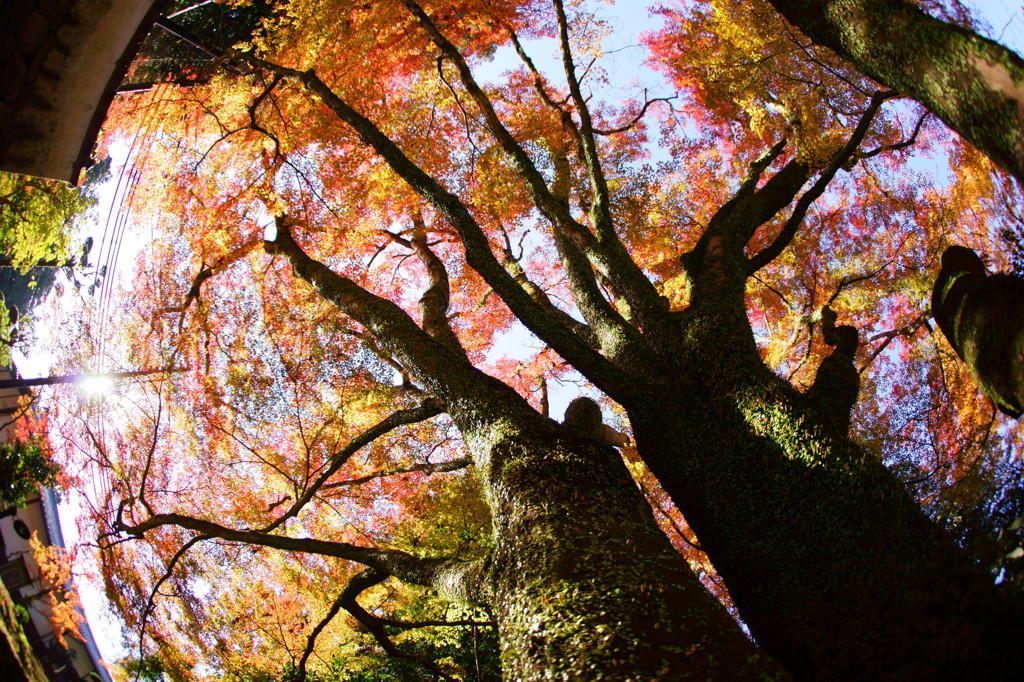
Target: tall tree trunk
<point>583,583</point>
<point>834,567</point>
<point>973,84</point>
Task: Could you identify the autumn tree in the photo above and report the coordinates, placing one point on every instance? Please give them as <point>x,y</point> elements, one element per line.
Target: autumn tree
<point>348,233</point>
<point>24,466</point>
<point>39,219</point>
<point>37,216</point>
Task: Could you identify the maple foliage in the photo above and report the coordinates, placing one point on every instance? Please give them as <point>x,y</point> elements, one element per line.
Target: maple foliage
<point>357,465</point>
<point>63,604</point>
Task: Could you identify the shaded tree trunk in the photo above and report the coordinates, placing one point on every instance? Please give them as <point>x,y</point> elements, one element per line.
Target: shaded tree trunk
<point>834,567</point>
<point>982,316</point>
<point>582,582</point>
<point>973,84</point>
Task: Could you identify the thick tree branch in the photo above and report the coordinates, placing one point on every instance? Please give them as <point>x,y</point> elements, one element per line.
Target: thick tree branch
<point>435,300</point>
<point>618,339</point>
<point>455,579</point>
<point>515,268</point>
<point>348,601</point>
<point>764,203</point>
<point>982,317</point>
<point>973,84</point>
<point>736,221</point>
<point>613,261</point>
<point>609,255</point>
<point>479,256</point>
<point>568,124</point>
<point>554,210</point>
<point>448,375</point>
<point>760,165</point>
<point>612,331</point>
<point>600,209</point>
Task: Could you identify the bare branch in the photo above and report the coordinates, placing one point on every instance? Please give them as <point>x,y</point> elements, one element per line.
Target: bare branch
<point>208,271</point>
<point>785,236</point>
<point>906,330</point>
<point>891,147</point>
<point>427,409</point>
<point>636,119</point>
<point>848,281</point>
<point>300,673</point>
<point>347,599</point>
<point>255,105</point>
<point>458,102</point>
<point>456,579</point>
<point>151,601</point>
<point>424,467</point>
<point>435,300</point>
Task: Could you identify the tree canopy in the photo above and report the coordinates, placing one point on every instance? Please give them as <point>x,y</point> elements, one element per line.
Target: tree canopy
<point>388,249</point>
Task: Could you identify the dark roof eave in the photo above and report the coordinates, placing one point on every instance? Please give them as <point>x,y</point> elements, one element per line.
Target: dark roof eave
<point>99,116</point>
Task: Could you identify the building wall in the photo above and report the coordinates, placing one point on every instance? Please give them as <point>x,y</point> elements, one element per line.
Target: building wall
<point>59,62</point>
<point>27,35</point>
<point>81,660</point>
<point>39,515</point>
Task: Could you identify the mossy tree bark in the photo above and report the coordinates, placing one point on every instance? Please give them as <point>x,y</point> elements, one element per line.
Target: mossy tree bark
<point>836,570</point>
<point>975,85</point>
<point>982,317</point>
